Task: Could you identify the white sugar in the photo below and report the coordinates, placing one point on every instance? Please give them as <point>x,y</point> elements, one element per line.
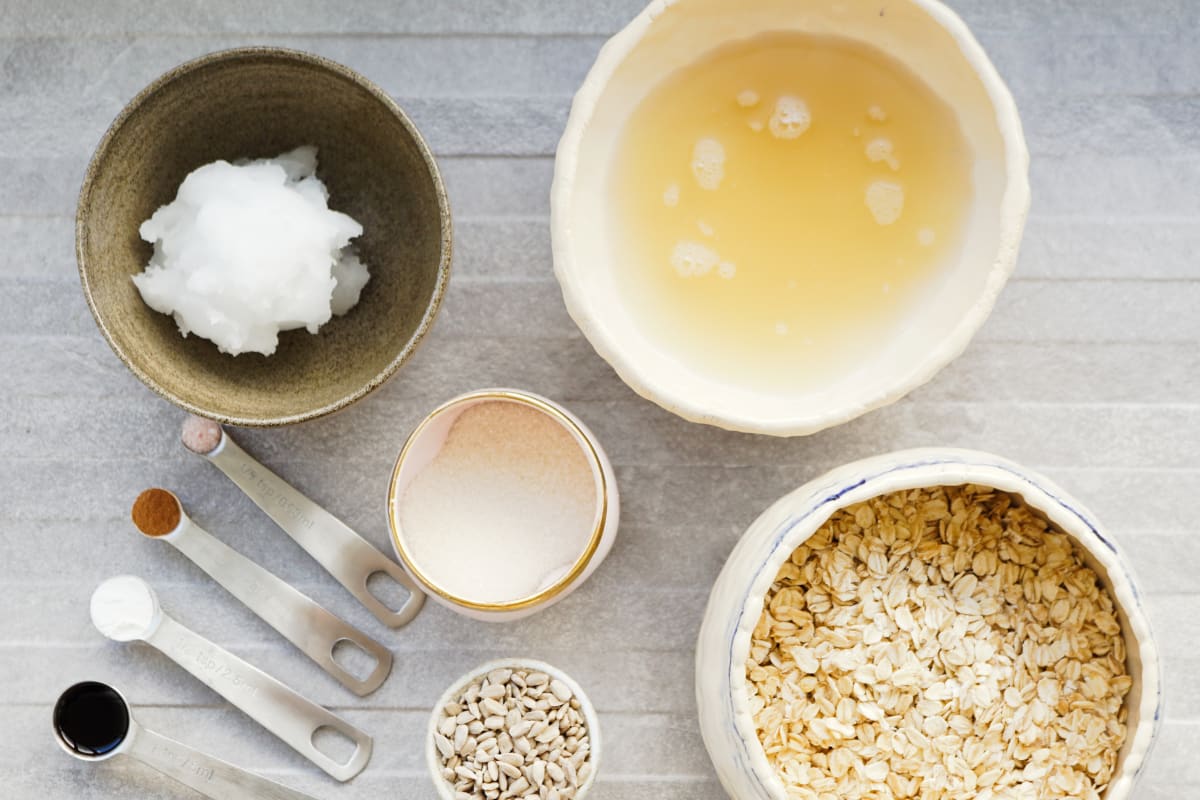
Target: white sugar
<point>505,508</point>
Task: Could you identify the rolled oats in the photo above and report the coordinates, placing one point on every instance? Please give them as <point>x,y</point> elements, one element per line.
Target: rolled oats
<point>945,643</point>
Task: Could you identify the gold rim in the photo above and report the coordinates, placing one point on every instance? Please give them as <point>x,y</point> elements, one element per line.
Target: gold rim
<point>546,407</point>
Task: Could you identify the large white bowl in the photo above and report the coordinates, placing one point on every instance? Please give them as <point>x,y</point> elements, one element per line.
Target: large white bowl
<point>736,602</point>
<point>923,34</point>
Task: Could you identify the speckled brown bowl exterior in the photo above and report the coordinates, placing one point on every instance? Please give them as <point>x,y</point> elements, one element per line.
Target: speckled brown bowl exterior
<point>254,103</point>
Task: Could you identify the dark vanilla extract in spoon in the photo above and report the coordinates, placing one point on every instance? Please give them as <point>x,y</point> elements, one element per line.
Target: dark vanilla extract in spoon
<point>93,723</point>
<point>91,718</point>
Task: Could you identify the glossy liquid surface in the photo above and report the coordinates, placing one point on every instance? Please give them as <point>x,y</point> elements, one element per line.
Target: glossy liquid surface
<point>777,204</point>
<point>91,718</point>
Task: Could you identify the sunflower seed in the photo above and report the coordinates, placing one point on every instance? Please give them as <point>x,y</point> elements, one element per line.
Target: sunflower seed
<point>516,734</point>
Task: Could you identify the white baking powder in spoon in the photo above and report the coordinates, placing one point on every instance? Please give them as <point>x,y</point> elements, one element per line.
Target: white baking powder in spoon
<point>505,508</point>
<point>124,608</point>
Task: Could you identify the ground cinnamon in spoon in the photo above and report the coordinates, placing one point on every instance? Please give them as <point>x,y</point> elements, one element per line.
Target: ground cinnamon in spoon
<point>156,512</point>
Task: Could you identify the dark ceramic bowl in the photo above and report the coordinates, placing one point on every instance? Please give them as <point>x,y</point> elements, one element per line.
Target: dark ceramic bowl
<point>255,103</point>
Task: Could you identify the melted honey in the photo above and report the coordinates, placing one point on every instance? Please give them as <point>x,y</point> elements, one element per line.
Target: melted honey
<point>778,203</point>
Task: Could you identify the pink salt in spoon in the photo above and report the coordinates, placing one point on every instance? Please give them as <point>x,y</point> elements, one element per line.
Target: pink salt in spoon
<point>347,556</point>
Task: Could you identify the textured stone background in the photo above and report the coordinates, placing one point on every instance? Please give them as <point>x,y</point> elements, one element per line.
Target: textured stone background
<point>1087,370</point>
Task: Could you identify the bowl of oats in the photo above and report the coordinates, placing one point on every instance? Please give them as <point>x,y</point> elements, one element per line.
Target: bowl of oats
<point>936,623</point>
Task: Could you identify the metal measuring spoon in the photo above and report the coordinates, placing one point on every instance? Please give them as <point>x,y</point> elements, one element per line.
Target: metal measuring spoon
<point>347,556</point>
<point>92,722</point>
<point>126,609</point>
<point>158,514</point>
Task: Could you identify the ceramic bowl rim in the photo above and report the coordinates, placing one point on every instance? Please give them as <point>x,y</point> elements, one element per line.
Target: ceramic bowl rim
<point>698,406</point>
<point>815,501</point>
<point>432,761</point>
<point>83,212</point>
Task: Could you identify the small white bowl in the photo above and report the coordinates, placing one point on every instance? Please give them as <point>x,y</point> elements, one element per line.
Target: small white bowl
<point>433,759</point>
<point>922,34</point>
<point>424,443</point>
<point>736,602</point>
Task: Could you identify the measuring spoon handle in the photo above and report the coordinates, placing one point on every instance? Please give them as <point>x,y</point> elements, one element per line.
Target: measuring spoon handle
<point>347,556</point>
<point>278,708</point>
<point>294,614</point>
<point>208,775</point>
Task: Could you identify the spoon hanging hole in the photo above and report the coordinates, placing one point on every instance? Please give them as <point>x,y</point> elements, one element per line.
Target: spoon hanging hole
<point>91,719</point>
<point>333,743</point>
<point>387,590</point>
<point>355,660</point>
<point>157,512</point>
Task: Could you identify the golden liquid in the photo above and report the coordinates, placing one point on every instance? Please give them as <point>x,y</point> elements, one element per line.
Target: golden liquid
<point>774,268</point>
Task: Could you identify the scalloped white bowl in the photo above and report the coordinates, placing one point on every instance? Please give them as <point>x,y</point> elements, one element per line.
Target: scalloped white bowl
<point>924,35</point>
<point>736,602</point>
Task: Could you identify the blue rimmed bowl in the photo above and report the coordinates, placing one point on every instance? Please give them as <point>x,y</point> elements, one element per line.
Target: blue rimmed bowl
<point>736,602</point>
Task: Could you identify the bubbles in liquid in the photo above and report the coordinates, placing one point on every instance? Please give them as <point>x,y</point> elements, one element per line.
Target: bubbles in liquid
<point>671,195</point>
<point>787,237</point>
<point>747,98</point>
<point>791,118</point>
<point>885,200</point>
<point>926,237</point>
<point>881,149</point>
<point>708,163</point>
<point>692,259</point>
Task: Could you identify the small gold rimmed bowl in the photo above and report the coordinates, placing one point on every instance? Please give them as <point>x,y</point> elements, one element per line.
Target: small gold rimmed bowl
<point>423,446</point>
